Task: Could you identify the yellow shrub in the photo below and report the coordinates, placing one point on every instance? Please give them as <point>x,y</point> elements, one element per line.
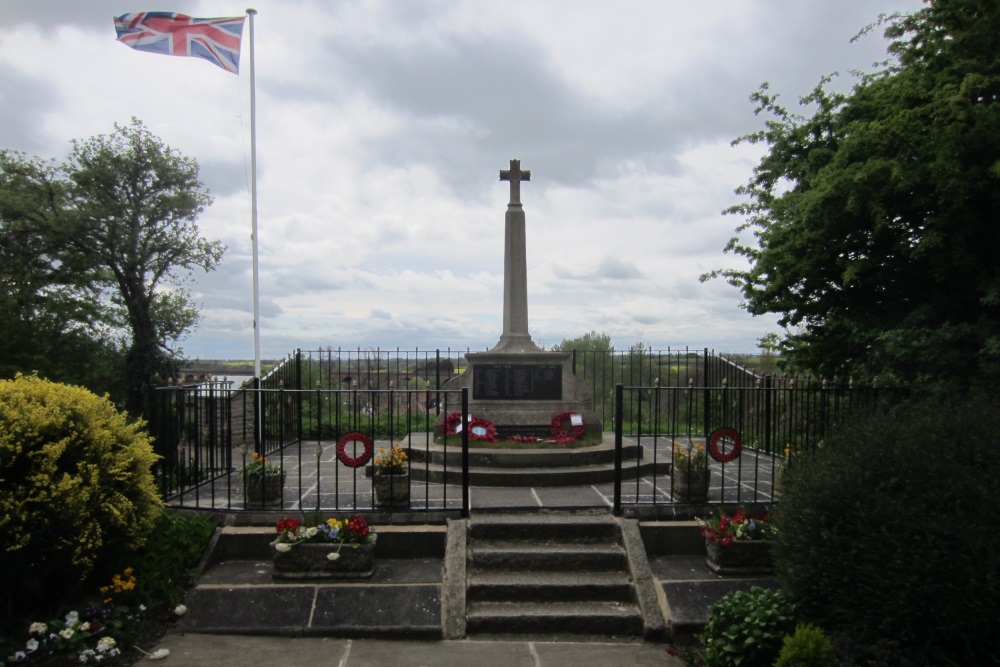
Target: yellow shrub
<point>75,480</point>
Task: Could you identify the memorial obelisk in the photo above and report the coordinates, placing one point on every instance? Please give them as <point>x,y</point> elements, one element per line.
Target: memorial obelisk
<point>517,385</point>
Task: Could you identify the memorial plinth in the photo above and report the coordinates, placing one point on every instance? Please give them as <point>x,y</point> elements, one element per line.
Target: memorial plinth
<point>520,392</point>
<point>517,385</point>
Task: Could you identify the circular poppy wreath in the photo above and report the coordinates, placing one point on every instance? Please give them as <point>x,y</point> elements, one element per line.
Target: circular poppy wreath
<point>354,461</point>
<point>451,422</point>
<point>557,430</point>
<point>717,436</point>
<point>488,428</point>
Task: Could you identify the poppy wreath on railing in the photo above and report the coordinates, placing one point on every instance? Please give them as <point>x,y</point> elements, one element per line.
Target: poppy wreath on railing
<point>354,461</point>
<point>482,429</point>
<point>720,434</point>
<point>559,432</point>
<point>451,423</point>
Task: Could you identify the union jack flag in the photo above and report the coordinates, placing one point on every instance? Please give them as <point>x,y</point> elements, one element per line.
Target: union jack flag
<point>216,40</point>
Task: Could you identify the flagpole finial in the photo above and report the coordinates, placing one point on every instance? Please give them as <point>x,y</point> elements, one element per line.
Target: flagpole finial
<point>251,11</point>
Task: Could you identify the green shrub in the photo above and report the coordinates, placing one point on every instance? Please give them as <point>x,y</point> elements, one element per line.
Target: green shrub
<point>884,532</point>
<point>746,628</point>
<point>808,647</point>
<point>171,554</point>
<point>75,489</point>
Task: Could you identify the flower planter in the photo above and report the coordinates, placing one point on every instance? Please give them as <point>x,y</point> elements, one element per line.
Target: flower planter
<point>310,560</point>
<point>739,558</point>
<point>392,490</point>
<point>265,490</point>
<point>690,484</point>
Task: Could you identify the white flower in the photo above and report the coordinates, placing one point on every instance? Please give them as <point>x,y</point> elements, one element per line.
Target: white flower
<point>67,633</point>
<point>333,555</point>
<point>283,547</point>
<point>311,531</point>
<point>37,628</point>
<point>32,645</point>
<point>180,610</point>
<point>105,644</point>
<point>19,656</point>
<point>159,654</point>
<point>72,619</point>
<point>142,607</point>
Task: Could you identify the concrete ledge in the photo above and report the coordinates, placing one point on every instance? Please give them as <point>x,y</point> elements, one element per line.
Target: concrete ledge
<point>653,620</point>
<point>672,538</point>
<point>454,586</point>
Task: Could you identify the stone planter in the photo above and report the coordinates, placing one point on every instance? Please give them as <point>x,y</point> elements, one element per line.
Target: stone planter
<point>690,484</point>
<point>740,557</point>
<point>309,560</point>
<point>265,490</point>
<point>392,490</point>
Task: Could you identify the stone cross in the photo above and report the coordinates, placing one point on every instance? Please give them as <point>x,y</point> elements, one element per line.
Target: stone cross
<point>515,176</point>
<point>515,337</point>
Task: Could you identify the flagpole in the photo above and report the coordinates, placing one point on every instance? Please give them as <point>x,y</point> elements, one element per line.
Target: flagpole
<point>253,204</point>
<point>258,411</point>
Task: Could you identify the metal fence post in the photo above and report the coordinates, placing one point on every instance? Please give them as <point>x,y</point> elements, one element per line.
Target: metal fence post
<point>465,453</point>
<point>619,403</point>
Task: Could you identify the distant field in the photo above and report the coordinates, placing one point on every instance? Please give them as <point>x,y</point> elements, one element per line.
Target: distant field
<point>228,366</point>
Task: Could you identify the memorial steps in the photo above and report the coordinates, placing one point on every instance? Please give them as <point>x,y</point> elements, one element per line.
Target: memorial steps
<point>520,467</point>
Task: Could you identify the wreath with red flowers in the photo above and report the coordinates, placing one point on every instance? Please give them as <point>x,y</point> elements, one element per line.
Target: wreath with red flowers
<point>560,434</point>
<point>482,429</point>
<point>451,423</point>
<point>715,439</point>
<point>354,461</point>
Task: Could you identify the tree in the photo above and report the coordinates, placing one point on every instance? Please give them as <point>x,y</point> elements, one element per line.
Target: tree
<point>874,219</point>
<point>133,206</point>
<point>49,313</point>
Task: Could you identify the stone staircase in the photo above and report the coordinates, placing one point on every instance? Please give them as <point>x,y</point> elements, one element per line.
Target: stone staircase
<point>532,467</point>
<point>552,573</point>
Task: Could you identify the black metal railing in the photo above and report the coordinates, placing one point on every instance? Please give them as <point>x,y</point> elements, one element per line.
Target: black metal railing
<point>208,435</point>
<point>774,423</point>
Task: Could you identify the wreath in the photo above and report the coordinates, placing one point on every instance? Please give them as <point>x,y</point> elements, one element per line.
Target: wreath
<point>488,430</point>
<point>451,423</point>
<point>354,461</point>
<point>560,434</point>
<point>724,433</point>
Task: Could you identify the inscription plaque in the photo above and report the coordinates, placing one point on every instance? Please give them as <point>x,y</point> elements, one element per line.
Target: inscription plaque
<point>506,382</point>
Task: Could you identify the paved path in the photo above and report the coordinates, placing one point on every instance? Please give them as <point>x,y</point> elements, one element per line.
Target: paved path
<point>194,650</point>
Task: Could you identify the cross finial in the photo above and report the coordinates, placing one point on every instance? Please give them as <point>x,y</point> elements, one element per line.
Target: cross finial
<point>515,176</point>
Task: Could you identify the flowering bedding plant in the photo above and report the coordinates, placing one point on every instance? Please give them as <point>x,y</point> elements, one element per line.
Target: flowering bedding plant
<point>737,527</point>
<point>689,456</point>
<point>259,467</point>
<point>85,635</point>
<point>392,461</point>
<point>352,532</point>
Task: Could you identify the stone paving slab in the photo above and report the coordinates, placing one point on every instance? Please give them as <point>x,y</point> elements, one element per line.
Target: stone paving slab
<point>356,611</point>
<point>193,650</point>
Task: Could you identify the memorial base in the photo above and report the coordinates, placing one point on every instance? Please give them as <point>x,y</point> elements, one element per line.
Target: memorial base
<point>524,391</point>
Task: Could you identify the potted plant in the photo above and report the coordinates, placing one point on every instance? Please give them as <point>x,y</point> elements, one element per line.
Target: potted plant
<point>738,542</point>
<point>335,548</point>
<point>781,466</point>
<point>391,477</point>
<point>262,480</point>
<point>690,472</point>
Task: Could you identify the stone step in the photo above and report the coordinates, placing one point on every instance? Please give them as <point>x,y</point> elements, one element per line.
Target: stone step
<point>600,618</point>
<point>548,557</point>
<point>575,527</point>
<point>541,476</point>
<point>550,586</point>
<point>557,457</point>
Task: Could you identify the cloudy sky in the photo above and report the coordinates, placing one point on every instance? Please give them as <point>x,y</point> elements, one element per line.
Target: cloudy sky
<point>381,130</point>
